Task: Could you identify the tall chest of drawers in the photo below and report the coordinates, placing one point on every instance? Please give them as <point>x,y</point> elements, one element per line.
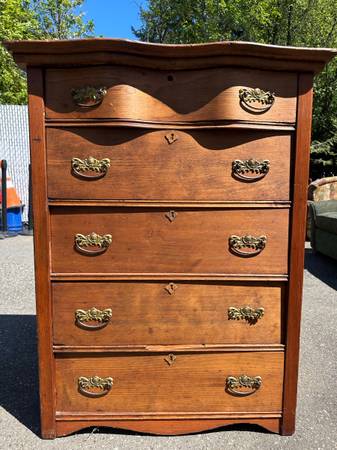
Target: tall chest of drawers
<point>169,188</point>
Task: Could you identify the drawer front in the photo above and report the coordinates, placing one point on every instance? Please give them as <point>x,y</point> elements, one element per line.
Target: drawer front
<point>138,240</point>
<point>194,165</point>
<point>89,313</point>
<point>160,383</point>
<point>147,95</point>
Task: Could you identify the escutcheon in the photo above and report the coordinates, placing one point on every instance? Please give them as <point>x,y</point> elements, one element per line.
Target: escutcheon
<point>101,317</point>
<point>90,168</point>
<point>250,169</point>
<point>94,386</point>
<point>256,100</point>
<point>253,245</point>
<point>88,96</point>
<point>243,382</point>
<point>92,244</point>
<point>246,313</point>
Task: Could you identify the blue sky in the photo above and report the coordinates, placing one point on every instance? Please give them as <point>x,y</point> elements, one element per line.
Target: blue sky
<point>114,18</point>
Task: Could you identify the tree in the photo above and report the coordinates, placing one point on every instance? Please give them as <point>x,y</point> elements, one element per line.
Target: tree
<point>35,19</point>
<point>16,22</point>
<point>308,23</point>
<point>62,19</point>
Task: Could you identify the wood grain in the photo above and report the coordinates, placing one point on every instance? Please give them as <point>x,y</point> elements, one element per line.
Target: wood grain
<point>41,251</point>
<point>195,313</point>
<point>145,94</point>
<point>193,383</point>
<point>298,232</point>
<point>197,166</point>
<point>146,241</point>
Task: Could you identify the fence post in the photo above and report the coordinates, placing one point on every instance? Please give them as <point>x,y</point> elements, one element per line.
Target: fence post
<point>4,196</point>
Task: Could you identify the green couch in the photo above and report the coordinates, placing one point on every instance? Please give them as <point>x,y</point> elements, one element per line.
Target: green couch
<point>323,227</point>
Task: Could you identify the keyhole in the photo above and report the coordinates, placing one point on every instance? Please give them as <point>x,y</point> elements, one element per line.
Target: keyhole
<point>170,78</point>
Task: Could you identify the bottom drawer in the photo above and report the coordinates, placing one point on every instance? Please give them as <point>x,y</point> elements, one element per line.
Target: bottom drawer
<point>164,383</point>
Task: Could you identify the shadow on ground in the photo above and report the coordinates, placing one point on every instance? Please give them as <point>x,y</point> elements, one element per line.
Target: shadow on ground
<point>19,390</point>
<point>19,375</point>
<point>322,267</point>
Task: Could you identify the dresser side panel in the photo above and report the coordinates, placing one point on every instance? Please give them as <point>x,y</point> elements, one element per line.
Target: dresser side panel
<point>296,255</point>
<point>41,251</point>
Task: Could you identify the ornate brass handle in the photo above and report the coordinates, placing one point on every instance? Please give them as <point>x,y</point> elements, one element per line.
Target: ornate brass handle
<point>256,99</point>
<point>243,381</point>
<point>101,243</point>
<point>102,318</point>
<point>254,244</point>
<point>246,313</point>
<point>88,96</point>
<point>94,386</point>
<point>250,169</point>
<point>96,167</point>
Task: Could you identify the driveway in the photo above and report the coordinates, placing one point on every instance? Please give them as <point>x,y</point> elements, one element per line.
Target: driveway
<point>19,412</point>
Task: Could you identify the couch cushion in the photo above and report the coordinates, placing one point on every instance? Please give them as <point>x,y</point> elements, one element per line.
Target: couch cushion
<point>327,221</point>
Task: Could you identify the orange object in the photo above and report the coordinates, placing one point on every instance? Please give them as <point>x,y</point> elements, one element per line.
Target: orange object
<point>12,196</point>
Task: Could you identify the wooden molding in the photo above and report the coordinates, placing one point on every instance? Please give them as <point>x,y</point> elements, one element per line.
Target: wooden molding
<point>165,57</point>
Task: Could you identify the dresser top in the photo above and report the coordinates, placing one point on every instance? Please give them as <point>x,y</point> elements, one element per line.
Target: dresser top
<point>97,51</point>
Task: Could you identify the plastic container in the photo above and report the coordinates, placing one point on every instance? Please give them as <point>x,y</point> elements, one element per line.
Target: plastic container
<point>14,219</point>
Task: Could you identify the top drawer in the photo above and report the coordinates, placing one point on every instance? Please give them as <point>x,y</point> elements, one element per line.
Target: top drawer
<point>129,93</point>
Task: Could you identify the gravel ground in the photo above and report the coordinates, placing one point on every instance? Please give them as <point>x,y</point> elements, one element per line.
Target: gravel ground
<point>19,412</point>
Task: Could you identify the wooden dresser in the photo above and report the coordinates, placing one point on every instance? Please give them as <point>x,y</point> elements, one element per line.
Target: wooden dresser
<point>169,213</point>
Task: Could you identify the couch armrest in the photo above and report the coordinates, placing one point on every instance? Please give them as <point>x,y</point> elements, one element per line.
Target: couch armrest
<point>314,209</point>
<point>322,207</point>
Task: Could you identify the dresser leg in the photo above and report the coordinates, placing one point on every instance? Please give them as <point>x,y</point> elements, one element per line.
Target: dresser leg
<point>288,426</point>
<point>48,434</point>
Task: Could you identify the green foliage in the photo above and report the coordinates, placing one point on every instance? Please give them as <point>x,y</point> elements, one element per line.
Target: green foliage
<point>61,19</point>
<point>308,23</point>
<point>35,19</point>
<point>16,22</point>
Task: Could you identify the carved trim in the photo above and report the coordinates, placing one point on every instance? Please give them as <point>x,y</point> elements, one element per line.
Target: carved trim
<point>100,385</point>
<point>246,313</point>
<point>243,381</point>
<point>256,244</point>
<point>250,169</point>
<point>99,167</point>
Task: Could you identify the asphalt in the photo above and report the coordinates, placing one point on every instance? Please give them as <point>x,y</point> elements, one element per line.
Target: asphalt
<point>19,412</point>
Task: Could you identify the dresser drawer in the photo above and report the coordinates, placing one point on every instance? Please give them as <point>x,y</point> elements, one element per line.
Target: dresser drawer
<point>162,313</point>
<point>131,93</point>
<point>182,383</point>
<point>140,240</point>
<point>120,163</point>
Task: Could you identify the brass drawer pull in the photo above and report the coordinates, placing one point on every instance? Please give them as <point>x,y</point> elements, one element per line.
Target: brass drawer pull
<point>254,244</point>
<point>246,313</point>
<point>250,169</point>
<point>101,243</point>
<point>256,100</point>
<point>243,381</point>
<point>88,96</point>
<point>94,386</point>
<point>101,317</point>
<point>96,167</point>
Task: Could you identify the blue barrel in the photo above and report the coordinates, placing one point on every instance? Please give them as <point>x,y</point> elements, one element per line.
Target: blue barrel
<point>14,219</point>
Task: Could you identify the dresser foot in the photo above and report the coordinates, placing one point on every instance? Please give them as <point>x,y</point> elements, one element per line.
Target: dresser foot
<point>165,427</point>
<point>48,434</point>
